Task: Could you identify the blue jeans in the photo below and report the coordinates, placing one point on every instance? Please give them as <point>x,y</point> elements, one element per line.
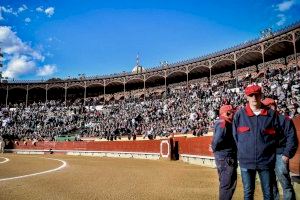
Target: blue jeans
<point>248,179</point>
<point>276,194</point>
<point>283,175</point>
<point>227,177</point>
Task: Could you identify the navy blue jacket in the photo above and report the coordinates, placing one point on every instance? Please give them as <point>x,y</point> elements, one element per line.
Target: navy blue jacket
<point>223,144</point>
<point>255,137</point>
<point>287,141</point>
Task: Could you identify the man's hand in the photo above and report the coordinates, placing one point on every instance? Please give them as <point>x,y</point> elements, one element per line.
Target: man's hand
<point>210,149</point>
<point>285,159</point>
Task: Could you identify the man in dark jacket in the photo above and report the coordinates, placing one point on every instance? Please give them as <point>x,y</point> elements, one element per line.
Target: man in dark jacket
<point>224,149</point>
<point>255,128</point>
<point>287,144</point>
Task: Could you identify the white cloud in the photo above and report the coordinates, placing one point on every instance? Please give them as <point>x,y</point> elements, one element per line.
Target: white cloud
<point>8,10</point>
<point>21,59</point>
<point>49,11</point>
<point>282,7</point>
<point>40,9</point>
<point>285,5</point>
<point>282,19</point>
<point>13,45</point>
<point>19,65</point>
<point>47,70</point>
<point>27,20</point>
<point>22,8</point>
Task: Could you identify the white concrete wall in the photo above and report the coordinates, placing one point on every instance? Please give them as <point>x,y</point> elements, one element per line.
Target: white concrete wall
<point>206,161</point>
<point>137,155</point>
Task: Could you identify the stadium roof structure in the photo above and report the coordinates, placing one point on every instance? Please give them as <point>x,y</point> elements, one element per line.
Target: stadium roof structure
<point>280,44</point>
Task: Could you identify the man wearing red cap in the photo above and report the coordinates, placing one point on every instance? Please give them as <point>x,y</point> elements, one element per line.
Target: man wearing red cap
<point>254,129</point>
<point>224,149</point>
<point>286,149</point>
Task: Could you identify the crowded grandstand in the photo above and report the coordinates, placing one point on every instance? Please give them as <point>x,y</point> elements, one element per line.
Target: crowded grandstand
<point>179,98</point>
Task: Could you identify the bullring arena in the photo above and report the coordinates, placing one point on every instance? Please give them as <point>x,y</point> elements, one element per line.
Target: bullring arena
<point>171,163</point>
<point>107,178</point>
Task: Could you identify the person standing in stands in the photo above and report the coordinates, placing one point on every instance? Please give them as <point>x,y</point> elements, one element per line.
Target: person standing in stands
<point>224,149</point>
<point>286,149</point>
<point>255,128</point>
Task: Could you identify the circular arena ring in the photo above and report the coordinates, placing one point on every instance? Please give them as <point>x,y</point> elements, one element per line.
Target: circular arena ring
<point>63,165</point>
<point>3,160</point>
<point>107,178</point>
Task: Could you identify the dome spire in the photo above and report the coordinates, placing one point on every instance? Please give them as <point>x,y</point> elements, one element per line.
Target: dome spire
<point>138,68</point>
<point>137,60</point>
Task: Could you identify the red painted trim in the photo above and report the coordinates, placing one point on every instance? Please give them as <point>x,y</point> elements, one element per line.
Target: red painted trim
<point>243,129</point>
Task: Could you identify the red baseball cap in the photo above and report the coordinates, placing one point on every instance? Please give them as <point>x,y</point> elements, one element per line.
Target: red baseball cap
<point>225,109</point>
<point>252,89</point>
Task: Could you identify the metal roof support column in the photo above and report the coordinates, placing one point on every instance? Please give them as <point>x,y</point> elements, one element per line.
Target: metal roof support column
<point>235,69</point>
<point>210,76</point>
<point>66,89</point>
<point>26,102</point>
<point>104,93</point>
<point>187,77</point>
<point>166,83</point>
<point>144,87</point>
<point>210,72</point>
<point>263,58</point>
<point>295,52</point>
<point>46,93</point>
<point>187,87</point>
<point>6,98</point>
<point>124,84</point>
<point>84,96</point>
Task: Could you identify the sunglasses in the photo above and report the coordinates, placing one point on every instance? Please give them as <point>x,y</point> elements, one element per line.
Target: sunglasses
<point>228,113</point>
<point>257,95</point>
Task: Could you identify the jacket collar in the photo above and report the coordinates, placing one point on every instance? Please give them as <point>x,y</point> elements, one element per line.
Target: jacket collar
<point>249,112</point>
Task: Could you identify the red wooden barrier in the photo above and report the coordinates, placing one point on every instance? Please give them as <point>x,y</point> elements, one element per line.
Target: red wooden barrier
<point>194,146</point>
<point>147,146</point>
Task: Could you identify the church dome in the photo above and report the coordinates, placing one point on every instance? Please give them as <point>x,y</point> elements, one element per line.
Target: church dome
<point>138,69</point>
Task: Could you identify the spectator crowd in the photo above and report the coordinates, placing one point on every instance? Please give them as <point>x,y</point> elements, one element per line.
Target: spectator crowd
<point>180,109</point>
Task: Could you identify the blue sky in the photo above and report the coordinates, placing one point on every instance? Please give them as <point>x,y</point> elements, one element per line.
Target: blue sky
<point>60,38</point>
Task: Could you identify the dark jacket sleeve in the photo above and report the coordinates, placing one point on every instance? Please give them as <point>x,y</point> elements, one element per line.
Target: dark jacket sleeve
<point>291,138</point>
<point>234,127</point>
<point>219,133</point>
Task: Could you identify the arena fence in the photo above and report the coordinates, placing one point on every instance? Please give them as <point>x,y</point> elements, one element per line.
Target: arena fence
<point>193,150</point>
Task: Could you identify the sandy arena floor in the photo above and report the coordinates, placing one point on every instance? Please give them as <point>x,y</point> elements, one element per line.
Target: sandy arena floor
<point>107,178</point>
